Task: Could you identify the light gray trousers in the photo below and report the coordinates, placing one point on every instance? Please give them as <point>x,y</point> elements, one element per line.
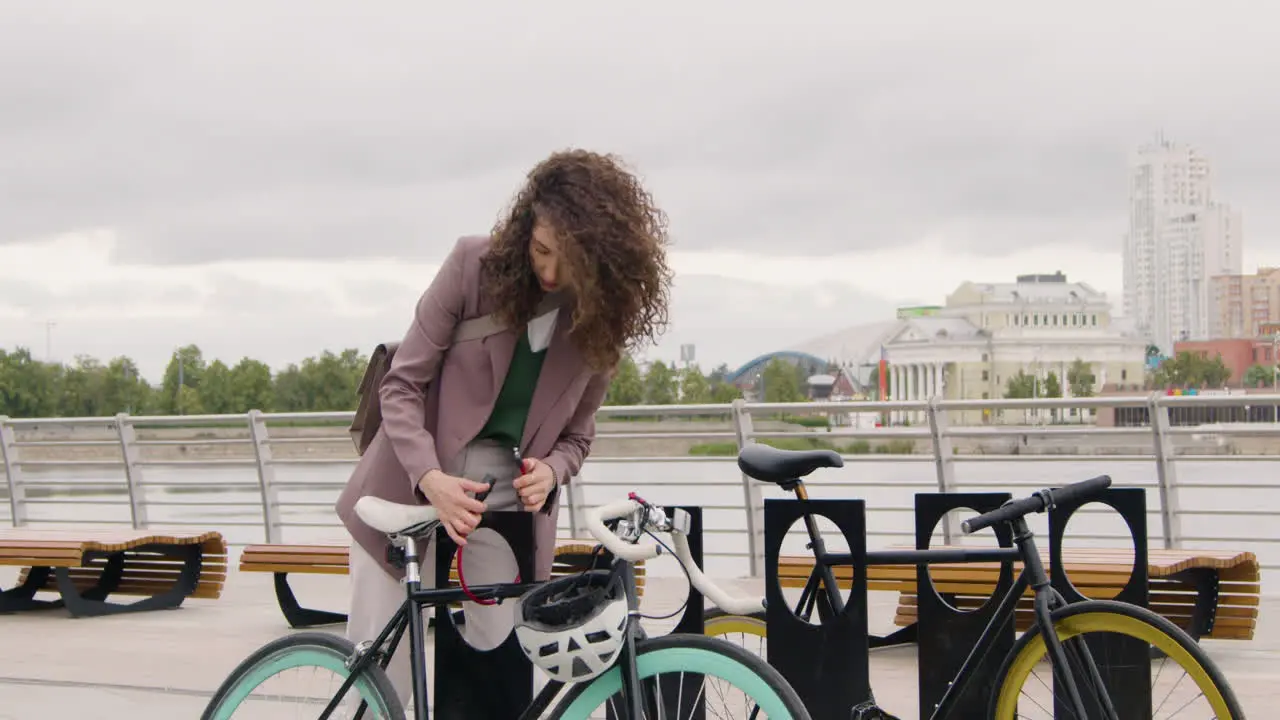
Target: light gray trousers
<point>375,595</point>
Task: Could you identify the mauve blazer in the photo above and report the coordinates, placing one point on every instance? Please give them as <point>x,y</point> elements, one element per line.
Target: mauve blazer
<point>421,433</point>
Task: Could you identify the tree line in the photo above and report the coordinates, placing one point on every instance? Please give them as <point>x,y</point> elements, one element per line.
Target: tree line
<point>193,385</point>
<point>1080,381</point>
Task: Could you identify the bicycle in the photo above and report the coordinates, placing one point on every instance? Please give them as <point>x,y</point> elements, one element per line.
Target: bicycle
<point>592,642</point>
<point>787,468</point>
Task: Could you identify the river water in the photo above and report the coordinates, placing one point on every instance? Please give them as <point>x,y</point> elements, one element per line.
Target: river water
<point>227,498</point>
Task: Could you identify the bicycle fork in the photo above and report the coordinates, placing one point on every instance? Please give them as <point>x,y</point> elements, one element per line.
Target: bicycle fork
<point>630,669</point>
<point>1047,599</point>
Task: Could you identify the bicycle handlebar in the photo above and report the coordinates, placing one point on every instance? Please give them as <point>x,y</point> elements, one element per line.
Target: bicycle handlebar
<point>635,552</point>
<point>595,519</point>
<point>1038,502</point>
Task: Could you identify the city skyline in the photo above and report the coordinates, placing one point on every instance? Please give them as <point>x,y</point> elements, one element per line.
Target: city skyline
<point>218,180</point>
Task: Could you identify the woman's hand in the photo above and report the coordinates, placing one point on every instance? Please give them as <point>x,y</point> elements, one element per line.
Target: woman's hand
<point>458,511</point>
<point>535,484</point>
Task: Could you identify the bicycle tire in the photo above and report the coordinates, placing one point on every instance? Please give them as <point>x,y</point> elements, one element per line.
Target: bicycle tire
<point>304,649</point>
<point>1125,619</point>
<point>688,652</point>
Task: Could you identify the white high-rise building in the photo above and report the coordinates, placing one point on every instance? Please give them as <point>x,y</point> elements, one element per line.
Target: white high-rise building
<point>1178,238</point>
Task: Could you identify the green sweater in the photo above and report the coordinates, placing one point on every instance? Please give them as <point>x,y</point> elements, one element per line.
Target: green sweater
<point>506,423</point>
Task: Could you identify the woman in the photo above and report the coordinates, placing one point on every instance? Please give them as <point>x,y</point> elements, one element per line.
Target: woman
<point>583,237</point>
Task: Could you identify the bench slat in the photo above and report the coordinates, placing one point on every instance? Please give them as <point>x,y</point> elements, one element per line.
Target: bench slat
<point>308,559</point>
<point>101,540</point>
<point>305,569</point>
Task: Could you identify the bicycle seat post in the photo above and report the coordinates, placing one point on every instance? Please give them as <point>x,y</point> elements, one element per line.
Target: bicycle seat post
<point>407,547</point>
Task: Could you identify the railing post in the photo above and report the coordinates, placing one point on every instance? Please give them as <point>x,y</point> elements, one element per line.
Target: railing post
<point>13,473</point>
<point>943,461</point>
<point>130,453</point>
<point>266,476</point>
<point>1166,472</point>
<point>753,501</point>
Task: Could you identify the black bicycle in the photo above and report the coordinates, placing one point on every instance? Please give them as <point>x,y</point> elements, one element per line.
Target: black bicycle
<point>582,629</point>
<point>1075,687</point>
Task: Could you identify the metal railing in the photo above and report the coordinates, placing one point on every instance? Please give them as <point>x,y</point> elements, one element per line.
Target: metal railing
<point>225,470</point>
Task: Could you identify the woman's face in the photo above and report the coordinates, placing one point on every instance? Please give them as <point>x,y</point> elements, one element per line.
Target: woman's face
<point>544,253</point>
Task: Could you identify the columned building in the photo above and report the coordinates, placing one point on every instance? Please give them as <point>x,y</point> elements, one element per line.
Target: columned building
<point>986,334</point>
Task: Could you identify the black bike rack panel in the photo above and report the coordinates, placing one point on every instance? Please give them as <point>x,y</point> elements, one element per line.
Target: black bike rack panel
<point>827,664</point>
<point>1124,663</point>
<point>692,619</point>
<point>690,622</point>
<point>946,635</point>
<point>472,683</point>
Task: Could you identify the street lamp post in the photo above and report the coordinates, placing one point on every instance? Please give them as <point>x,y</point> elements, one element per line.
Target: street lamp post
<point>1275,361</point>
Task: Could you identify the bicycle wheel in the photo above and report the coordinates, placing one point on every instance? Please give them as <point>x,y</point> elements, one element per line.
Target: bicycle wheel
<point>684,655</point>
<point>316,653</point>
<point>752,630</point>
<point>1207,688</point>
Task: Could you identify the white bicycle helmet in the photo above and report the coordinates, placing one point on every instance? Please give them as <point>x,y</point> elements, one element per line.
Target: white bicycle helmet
<point>573,627</point>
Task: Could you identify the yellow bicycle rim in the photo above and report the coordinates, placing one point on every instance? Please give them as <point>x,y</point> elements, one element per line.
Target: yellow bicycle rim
<point>728,624</point>
<point>1069,627</point>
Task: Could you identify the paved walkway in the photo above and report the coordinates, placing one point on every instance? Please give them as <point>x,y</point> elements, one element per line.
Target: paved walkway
<point>165,665</point>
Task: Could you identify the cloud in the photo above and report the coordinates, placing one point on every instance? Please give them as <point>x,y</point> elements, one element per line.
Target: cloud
<point>259,132</point>
<point>271,183</point>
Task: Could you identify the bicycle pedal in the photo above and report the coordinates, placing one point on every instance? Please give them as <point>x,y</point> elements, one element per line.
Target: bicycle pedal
<point>870,711</point>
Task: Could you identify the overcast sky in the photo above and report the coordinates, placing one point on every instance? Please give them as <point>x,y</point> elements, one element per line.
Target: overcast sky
<point>275,178</point>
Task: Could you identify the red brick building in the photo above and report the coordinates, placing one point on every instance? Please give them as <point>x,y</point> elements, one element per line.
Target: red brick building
<point>1238,354</point>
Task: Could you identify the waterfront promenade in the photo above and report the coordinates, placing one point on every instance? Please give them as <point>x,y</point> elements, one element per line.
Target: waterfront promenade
<point>166,664</point>
<point>253,478</point>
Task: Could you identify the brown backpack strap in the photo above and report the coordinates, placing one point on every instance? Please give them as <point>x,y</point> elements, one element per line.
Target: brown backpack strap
<point>368,417</point>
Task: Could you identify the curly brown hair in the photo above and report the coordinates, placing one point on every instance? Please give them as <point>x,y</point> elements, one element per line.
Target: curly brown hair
<point>613,242</point>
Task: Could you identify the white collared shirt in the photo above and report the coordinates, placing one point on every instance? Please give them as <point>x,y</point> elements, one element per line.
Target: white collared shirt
<point>541,329</point>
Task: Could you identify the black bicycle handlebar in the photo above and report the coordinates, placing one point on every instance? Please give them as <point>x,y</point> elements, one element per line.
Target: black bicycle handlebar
<point>1038,502</point>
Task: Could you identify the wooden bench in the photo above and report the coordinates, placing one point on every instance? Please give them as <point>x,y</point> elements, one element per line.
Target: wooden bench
<point>1208,593</point>
<point>86,566</point>
<point>281,560</point>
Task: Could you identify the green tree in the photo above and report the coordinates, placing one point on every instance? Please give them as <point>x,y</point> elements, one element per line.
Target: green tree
<point>185,368</point>
<point>627,387</point>
<point>781,382</point>
<point>217,390</point>
<point>873,383</point>
<point>251,386</point>
<point>695,389</point>
<point>81,392</point>
<point>28,387</point>
<point>329,382</point>
<point>1021,386</point>
<point>1259,376</point>
<point>660,384</point>
<point>723,393</point>
<point>1052,387</point>
<point>189,401</point>
<point>803,371</point>
<point>289,390</point>
<point>718,374</point>
<point>123,388</point>
<point>1191,370</point>
<point>1080,378</point>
